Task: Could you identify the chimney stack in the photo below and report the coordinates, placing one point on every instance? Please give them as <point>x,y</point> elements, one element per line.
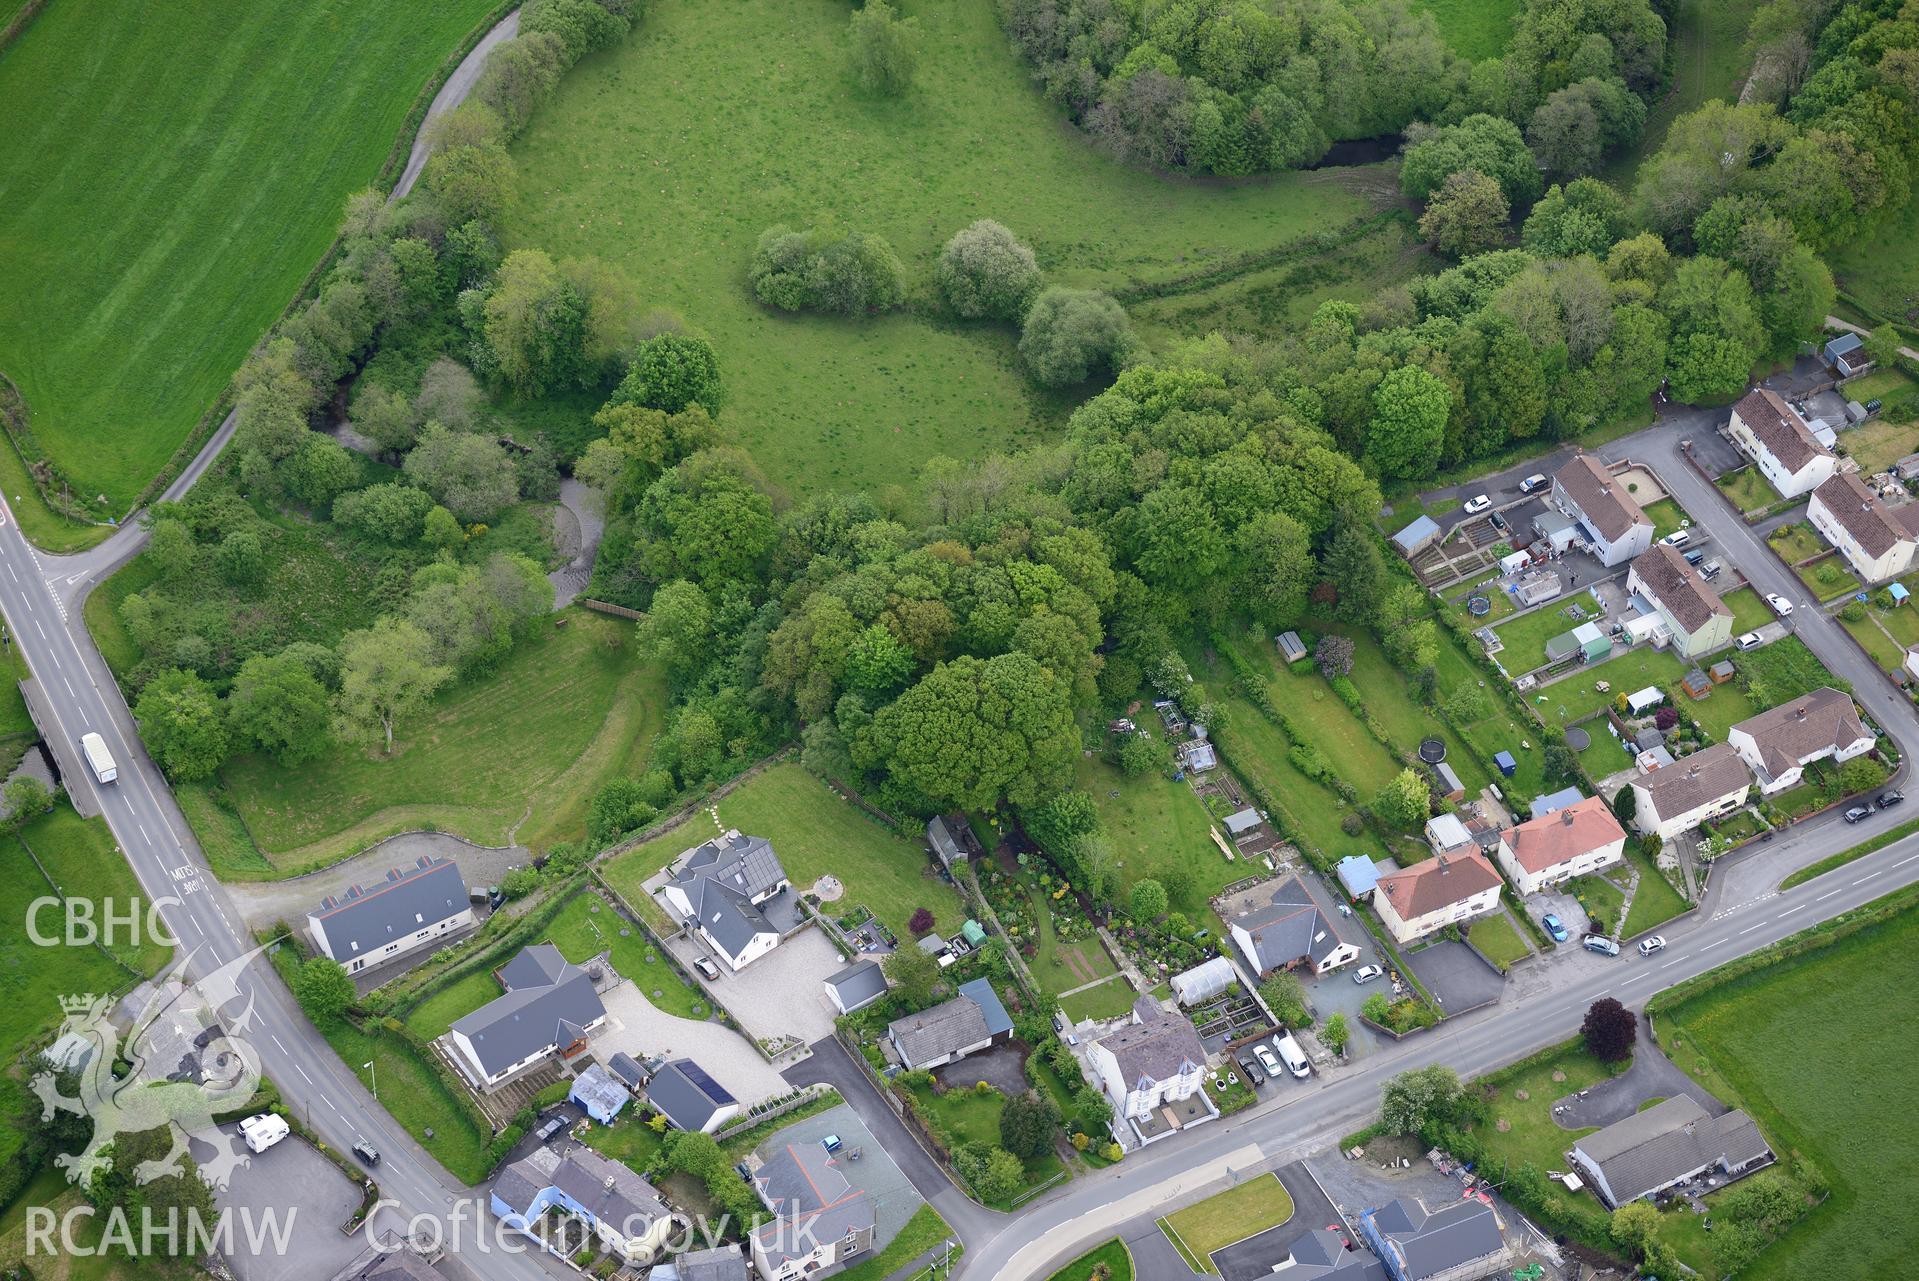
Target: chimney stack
<point>1566,817</point>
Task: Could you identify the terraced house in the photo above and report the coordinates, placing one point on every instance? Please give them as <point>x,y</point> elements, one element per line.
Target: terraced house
<point>1697,621</point>
<point>1780,443</point>
<point>1606,513</point>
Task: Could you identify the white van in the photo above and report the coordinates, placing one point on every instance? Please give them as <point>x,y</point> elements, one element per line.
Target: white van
<point>263,1131</point>
<point>99,759</point>
<point>1293,1056</point>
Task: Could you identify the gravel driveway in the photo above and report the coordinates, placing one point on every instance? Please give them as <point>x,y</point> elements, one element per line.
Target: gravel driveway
<point>636,1027</point>
<point>261,903</point>
<point>782,993</point>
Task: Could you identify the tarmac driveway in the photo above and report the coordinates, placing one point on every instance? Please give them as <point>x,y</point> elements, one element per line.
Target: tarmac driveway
<point>1257,1256</point>
<point>1456,977</point>
<point>636,1027</point>
<point>309,1198</point>
<point>261,903</point>
<point>1651,1076</point>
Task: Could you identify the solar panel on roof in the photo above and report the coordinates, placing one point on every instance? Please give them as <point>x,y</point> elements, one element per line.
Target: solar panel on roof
<point>708,1086</point>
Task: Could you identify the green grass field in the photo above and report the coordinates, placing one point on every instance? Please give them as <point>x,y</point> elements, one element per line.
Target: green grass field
<point>1499,939</point>
<point>1564,702</point>
<point>1156,824</point>
<point>524,746</point>
<point>1747,489</point>
<point>1522,1129</point>
<point>1383,687</point>
<point>1708,58</point>
<point>1881,268</point>
<point>1749,610</point>
<point>1864,1135</point>
<point>1233,1215</point>
<point>1655,901</point>
<point>670,155</point>
<point>816,833</point>
<point>588,925</point>
<point>166,188</point>
<point>1475,29</point>
<point>1108,1000</point>
<point>1316,711</point>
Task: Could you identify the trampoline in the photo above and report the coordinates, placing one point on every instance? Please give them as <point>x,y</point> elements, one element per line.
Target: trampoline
<point>1479,606</point>
<point>1578,739</point>
<point>1432,750</point>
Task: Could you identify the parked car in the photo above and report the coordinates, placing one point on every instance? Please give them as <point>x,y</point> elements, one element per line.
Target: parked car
<point>1555,927</point>
<point>1269,1061</point>
<point>1678,538</point>
<point>1477,504</point>
<point>1858,814</point>
<point>1709,570</point>
<point>1294,1057</point>
<point>1889,799</point>
<point>1751,640</point>
<point>1780,605</point>
<point>1533,482</point>
<point>1647,946</point>
<point>1367,973</point>
<point>1250,1070</point>
<point>1601,944</point>
<point>368,1154</point>
<point>1694,556</point>
<point>707,969</point>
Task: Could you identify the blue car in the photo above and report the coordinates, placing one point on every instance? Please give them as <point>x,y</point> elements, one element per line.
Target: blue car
<point>1555,927</point>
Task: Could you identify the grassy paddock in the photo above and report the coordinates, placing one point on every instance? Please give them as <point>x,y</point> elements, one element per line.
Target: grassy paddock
<point>1156,824</point>
<point>228,134</point>
<point>1233,1215</point>
<point>670,155</point>
<point>816,833</point>
<point>1476,29</point>
<point>524,746</point>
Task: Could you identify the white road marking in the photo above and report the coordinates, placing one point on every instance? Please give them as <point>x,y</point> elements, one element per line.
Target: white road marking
<point>276,1042</point>
<point>1750,928</point>
<point>1868,876</point>
<point>10,574</point>
<point>1828,894</point>
<point>1669,964</point>
<point>69,685</point>
<point>1902,862</point>
<point>303,1072</point>
<point>40,629</point>
<point>1789,911</point>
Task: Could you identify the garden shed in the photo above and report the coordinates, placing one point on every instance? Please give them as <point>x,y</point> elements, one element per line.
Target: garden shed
<point>1721,671</point>
<point>1515,561</point>
<point>1358,875</point>
<point>1449,785</point>
<point>973,932</point>
<point>1291,648</point>
<point>1416,537</point>
<point>1696,684</point>
<point>1507,765</point>
<point>1553,802</point>
<point>1846,354</point>
<point>1640,701</point>
<point>1556,529</point>
<point>1593,643</point>
<point>1535,589</point>
<point>1898,593</point>
<point>1204,982</point>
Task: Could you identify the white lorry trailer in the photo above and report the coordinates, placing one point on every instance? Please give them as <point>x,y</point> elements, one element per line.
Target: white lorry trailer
<point>99,759</point>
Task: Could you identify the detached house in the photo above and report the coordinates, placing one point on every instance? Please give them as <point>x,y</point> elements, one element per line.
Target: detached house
<point>417,908</point>
<point>727,891</point>
<point>1289,932</point>
<point>549,1008</point>
<point>1772,434</point>
<point>1460,1241</point>
<point>950,1031</point>
<point>821,1220</point>
<point>1676,798</point>
<point>1688,606</point>
<point>1558,846</point>
<point>1153,1061</point>
<point>1443,890</point>
<point>1779,744</point>
<point>1877,541</point>
<point>1607,514</point>
<point>1665,1145</point>
<point>623,1209</point>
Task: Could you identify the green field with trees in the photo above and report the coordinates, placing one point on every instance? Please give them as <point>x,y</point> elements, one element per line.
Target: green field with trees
<point>167,188</point>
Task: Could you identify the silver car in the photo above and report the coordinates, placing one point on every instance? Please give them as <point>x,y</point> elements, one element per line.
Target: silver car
<point>1367,973</point>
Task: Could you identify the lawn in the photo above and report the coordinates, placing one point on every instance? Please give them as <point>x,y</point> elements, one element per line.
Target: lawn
<point>1110,999</point>
<point>1156,824</point>
<point>207,158</point>
<point>1796,542</point>
<point>924,1231</point>
<point>1655,901</point>
<point>1749,610</point>
<point>1575,697</point>
<point>1601,899</point>
<point>1667,517</point>
<point>419,1098</point>
<point>521,748</point>
<point>1605,755</point>
<point>1525,637</point>
<point>1061,966</point>
<point>1863,1136</point>
<point>816,833</point>
<point>1383,687</point>
<point>961,1116</point>
<point>671,154</point>
<point>1878,444</point>
<point>1499,939</point>
<point>1521,1128</point>
<point>1311,705</point>
<point>1748,490</point>
<point>1233,1215</point>
<point>1113,1256</point>
<point>1720,710</point>
<point>588,925</point>
<point>1476,29</point>
<point>1828,579</point>
<point>432,1017</point>
<point>1498,728</point>
<point>1885,651</point>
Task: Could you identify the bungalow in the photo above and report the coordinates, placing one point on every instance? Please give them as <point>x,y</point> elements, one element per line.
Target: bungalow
<point>1322,1255</point>
<point>1771,433</point>
<point>1610,519</point>
<point>1154,1060</point>
<point>1777,745</point>
<point>1458,1241</point>
<point>948,1032</point>
<point>1558,846</point>
<point>820,1219</point>
<point>1847,356</point>
<point>1877,541</point>
<point>721,889</point>
<point>623,1210</point>
<point>1691,610</point>
<point>1666,1145</point>
<point>1710,783</point>
<point>598,1094</point>
<point>855,987</point>
<point>417,908</point>
<point>1289,931</point>
<point>689,1099</point>
<point>549,1007</point>
<point>1443,890</point>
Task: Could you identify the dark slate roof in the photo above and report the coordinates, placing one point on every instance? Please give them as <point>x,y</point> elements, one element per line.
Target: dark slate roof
<point>728,916</point>
<point>940,837</point>
<point>1673,583</point>
<point>1156,1046</point>
<point>405,903</point>
<point>858,985</point>
<point>973,1016</point>
<point>800,1182</point>
<point>547,1002</point>
<point>1321,1255</point>
<point>611,1192</point>
<point>1669,1141</point>
<point>721,1263</point>
<point>722,879</point>
<point>623,1066</point>
<point>1429,1243</point>
<point>1289,928</point>
<point>388,1261</point>
<point>686,1094</point>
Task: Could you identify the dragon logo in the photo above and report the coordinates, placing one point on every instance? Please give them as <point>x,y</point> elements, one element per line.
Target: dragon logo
<point>184,1064</point>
